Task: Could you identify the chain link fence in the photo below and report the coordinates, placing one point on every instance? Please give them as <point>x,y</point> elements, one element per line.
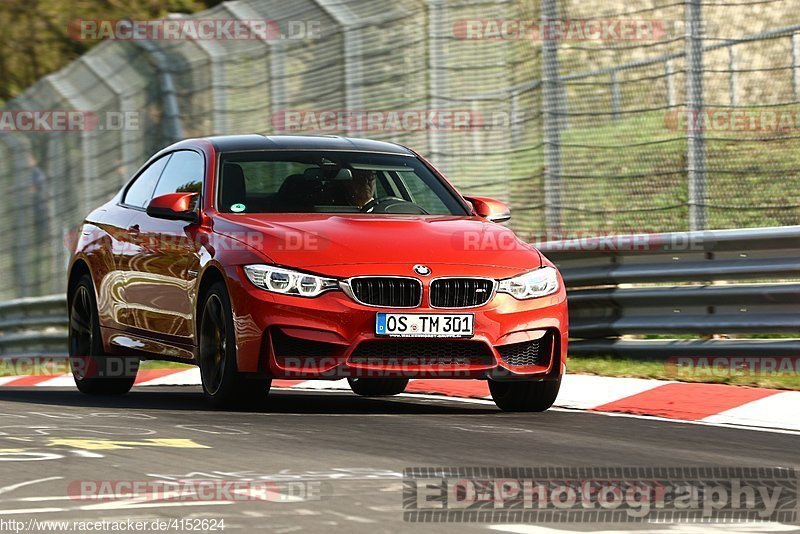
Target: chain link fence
<point>587,116</point>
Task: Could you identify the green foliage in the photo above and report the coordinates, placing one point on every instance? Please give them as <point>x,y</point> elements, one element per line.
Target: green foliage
<point>36,38</point>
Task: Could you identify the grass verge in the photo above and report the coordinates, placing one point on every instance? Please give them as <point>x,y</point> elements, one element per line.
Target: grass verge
<point>622,367</point>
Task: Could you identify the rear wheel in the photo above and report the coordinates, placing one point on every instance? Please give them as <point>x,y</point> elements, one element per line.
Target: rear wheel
<point>95,373</point>
<point>223,384</point>
<point>377,387</point>
<point>524,396</point>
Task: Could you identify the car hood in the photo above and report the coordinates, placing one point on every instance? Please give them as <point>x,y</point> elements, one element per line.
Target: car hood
<point>323,242</point>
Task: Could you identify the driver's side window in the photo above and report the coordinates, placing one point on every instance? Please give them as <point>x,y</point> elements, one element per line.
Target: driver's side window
<point>184,174</point>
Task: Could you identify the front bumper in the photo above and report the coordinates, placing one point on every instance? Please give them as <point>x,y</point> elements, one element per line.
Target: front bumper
<point>332,336</point>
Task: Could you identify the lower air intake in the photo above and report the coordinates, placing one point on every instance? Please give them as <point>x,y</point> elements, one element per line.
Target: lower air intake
<point>536,352</point>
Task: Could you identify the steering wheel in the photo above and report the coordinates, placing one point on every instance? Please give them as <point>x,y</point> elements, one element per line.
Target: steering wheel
<point>391,204</point>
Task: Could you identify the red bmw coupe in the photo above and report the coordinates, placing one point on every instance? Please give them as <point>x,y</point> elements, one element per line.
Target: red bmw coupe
<point>311,258</point>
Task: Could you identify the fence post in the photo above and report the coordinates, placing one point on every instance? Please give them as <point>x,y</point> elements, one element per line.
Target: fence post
<point>353,64</point>
<point>277,82</point>
<point>475,131</point>
<point>436,76</point>
<point>21,184</point>
<point>173,127</point>
<point>669,67</point>
<point>516,121</point>
<point>796,66</point>
<point>551,106</point>
<point>276,50</point>
<point>734,82</point>
<point>615,97</point>
<point>352,50</point>
<point>219,105</point>
<point>696,150</point>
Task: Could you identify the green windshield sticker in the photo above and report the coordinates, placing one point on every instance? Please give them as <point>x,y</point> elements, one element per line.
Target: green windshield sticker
<point>238,208</point>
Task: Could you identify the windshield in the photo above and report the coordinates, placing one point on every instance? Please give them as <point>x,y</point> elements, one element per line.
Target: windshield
<point>331,182</point>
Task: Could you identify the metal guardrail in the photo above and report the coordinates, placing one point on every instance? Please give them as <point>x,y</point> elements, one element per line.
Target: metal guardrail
<point>705,285</point>
<point>33,326</point>
<point>621,289</point>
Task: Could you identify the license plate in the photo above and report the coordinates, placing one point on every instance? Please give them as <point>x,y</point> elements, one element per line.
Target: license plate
<point>424,325</point>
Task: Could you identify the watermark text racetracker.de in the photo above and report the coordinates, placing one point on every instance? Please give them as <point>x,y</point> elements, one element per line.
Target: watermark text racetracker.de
<point>584,240</point>
<point>613,29</point>
<point>392,120</point>
<point>280,239</point>
<point>67,120</point>
<point>600,494</point>
<point>573,30</point>
<point>183,29</point>
<point>709,367</point>
<point>785,120</point>
<point>197,490</point>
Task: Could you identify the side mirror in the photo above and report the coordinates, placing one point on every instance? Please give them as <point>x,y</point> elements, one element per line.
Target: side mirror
<point>490,209</point>
<point>174,206</point>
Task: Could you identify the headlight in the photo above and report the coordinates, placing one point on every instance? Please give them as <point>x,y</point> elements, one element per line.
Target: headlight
<point>538,283</point>
<point>288,282</point>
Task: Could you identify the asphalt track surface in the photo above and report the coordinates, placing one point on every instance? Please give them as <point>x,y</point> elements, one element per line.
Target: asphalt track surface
<point>353,448</point>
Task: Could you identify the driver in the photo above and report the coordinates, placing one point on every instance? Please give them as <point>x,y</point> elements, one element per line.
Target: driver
<point>361,188</point>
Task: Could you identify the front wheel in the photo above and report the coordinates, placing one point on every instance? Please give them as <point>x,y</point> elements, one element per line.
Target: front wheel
<point>377,387</point>
<point>95,373</point>
<point>223,384</point>
<point>524,396</point>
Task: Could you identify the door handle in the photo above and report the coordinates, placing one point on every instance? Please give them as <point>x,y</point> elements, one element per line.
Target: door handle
<point>134,229</point>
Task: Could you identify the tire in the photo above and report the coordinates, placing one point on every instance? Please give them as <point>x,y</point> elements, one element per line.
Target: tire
<point>223,384</point>
<point>524,396</point>
<point>377,387</point>
<point>95,373</point>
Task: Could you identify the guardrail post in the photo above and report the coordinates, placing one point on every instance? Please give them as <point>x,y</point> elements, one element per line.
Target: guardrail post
<point>696,150</point>
<point>551,106</point>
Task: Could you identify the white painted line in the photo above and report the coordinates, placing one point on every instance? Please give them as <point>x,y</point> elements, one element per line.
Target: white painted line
<point>133,503</point>
<point>6,489</point>
<point>46,499</point>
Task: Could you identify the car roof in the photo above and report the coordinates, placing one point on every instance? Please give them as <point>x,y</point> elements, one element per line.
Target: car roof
<point>233,143</point>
